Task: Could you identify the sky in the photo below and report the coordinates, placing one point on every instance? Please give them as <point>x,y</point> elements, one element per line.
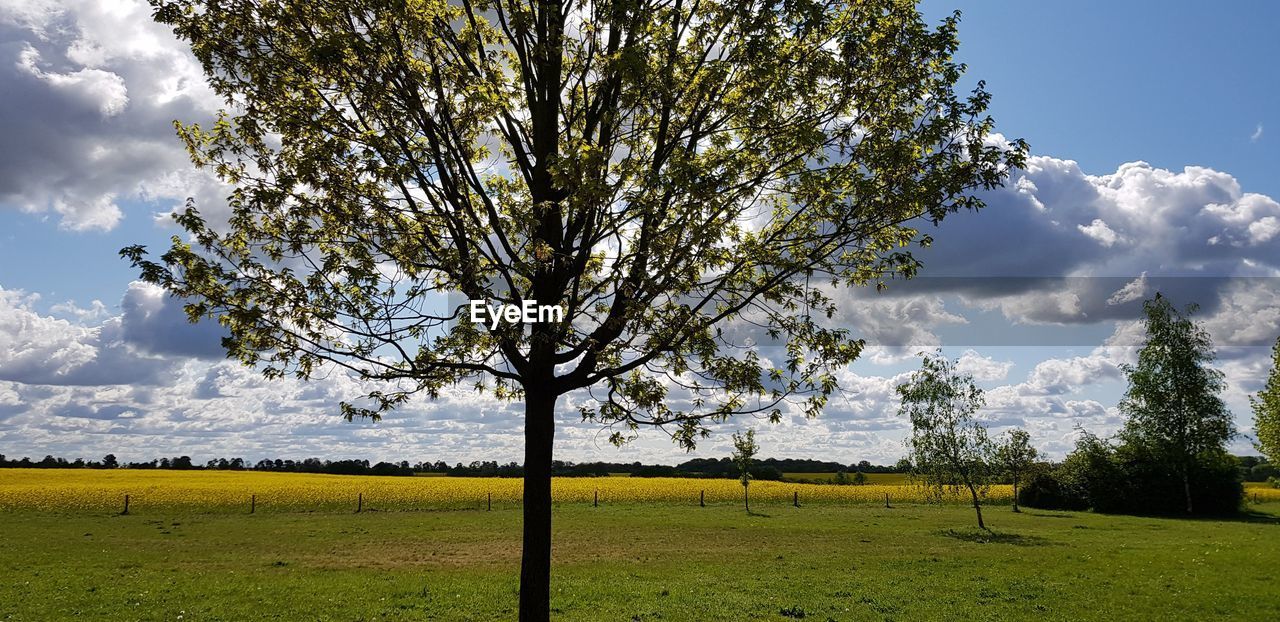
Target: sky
<point>1155,146</point>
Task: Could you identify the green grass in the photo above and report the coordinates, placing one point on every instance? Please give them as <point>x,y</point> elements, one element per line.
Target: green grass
<point>642,563</point>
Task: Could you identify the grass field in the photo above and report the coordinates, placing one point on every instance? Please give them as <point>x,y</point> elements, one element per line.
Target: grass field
<point>640,562</point>
<point>190,551</point>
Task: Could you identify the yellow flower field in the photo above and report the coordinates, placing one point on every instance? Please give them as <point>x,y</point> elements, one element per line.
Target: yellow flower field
<point>1261,492</point>
<point>82,490</point>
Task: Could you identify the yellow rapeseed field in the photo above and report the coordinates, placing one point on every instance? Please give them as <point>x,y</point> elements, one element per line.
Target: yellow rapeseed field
<point>1260,492</point>
<point>83,490</point>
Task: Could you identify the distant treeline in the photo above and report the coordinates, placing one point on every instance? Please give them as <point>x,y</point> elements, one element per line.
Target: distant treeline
<point>184,463</point>
<point>767,469</point>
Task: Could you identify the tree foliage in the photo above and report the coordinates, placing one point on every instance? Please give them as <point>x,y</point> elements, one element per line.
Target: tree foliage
<point>658,169</point>
<point>949,447</point>
<point>1174,412</point>
<point>1266,410</point>
<point>1015,456</point>
<point>1126,478</point>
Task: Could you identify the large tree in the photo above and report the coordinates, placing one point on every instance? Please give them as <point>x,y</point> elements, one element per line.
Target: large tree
<point>949,446</point>
<point>660,169</point>
<point>1173,409</point>
<point>1266,411</point>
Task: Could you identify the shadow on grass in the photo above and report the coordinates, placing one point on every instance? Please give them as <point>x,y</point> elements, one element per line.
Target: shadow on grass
<point>1049,515</point>
<point>756,514</point>
<point>1244,516</point>
<point>1247,516</point>
<point>982,536</point>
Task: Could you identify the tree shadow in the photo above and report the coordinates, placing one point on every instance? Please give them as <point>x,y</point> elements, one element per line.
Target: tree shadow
<point>1049,515</point>
<point>981,536</point>
<point>1244,516</point>
<point>1247,516</point>
<point>759,514</point>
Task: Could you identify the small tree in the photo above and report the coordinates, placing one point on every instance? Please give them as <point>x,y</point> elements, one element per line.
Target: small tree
<point>1015,456</point>
<point>1266,411</point>
<point>1174,412</point>
<point>744,451</point>
<point>950,449</point>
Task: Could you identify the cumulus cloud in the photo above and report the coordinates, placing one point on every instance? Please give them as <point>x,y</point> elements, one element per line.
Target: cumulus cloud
<point>982,368</point>
<point>137,347</point>
<point>155,322</point>
<point>1100,232</point>
<point>38,349</point>
<point>894,328</point>
<point>1060,376</point>
<point>1055,220</point>
<point>91,91</point>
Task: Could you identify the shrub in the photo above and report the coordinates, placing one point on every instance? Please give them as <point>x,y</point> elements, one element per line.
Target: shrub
<point>766,473</point>
<point>1046,492</point>
<point>1128,479</point>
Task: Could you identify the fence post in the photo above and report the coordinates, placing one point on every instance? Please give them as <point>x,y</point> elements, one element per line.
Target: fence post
<point>126,506</point>
<point>795,498</point>
<point>702,498</point>
<point>253,503</point>
<point>595,503</point>
<point>490,508</point>
<point>886,500</point>
<point>359,502</point>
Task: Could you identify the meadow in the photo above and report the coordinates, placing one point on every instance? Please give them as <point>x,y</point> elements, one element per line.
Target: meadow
<point>189,550</point>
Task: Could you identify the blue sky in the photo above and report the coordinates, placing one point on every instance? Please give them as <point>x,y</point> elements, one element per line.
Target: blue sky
<point>1104,83</point>
<point>88,160</point>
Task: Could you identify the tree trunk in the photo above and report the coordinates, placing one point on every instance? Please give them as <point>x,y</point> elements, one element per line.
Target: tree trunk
<point>745,502</point>
<point>535,562</point>
<point>1015,496</point>
<point>977,507</point>
<point>1186,489</point>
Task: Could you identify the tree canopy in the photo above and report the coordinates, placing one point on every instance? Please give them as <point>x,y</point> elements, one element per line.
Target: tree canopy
<point>1266,410</point>
<point>1173,407</point>
<point>949,446</point>
<point>744,453</point>
<point>1014,456</point>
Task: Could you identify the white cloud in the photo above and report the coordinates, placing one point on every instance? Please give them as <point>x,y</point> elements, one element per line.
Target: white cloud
<point>91,91</point>
<point>1061,376</point>
<point>895,328</point>
<point>92,87</point>
<point>982,368</point>
<point>1256,135</point>
<point>38,349</point>
<point>1133,290</point>
<point>1100,232</point>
